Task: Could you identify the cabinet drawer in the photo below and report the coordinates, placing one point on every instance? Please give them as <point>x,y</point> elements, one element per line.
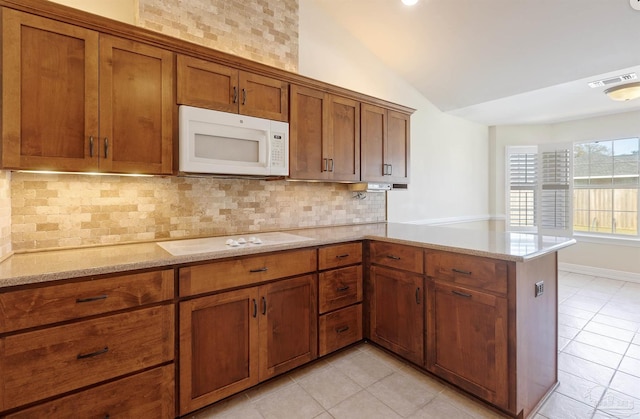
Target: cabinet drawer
<point>146,395</point>
<point>397,256</point>
<point>340,255</point>
<point>340,287</point>
<point>340,328</point>
<point>47,362</point>
<point>52,304</point>
<point>245,271</point>
<point>472,271</point>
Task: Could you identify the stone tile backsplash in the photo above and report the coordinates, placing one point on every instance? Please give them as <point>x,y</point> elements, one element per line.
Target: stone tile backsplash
<point>67,210</point>
<point>262,30</point>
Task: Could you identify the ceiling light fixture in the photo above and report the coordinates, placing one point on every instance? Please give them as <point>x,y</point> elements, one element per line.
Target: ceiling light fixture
<point>409,2</point>
<point>624,92</point>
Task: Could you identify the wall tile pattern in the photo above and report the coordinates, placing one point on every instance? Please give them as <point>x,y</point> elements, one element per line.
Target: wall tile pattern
<point>66,210</point>
<point>5,213</point>
<point>262,30</point>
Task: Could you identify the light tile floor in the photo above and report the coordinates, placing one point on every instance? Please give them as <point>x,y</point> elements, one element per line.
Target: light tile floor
<point>598,362</point>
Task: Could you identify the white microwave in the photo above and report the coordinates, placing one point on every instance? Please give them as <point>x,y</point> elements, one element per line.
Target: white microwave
<point>222,143</point>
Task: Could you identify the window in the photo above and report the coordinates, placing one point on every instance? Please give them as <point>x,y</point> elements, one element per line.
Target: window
<point>591,187</point>
<point>539,189</point>
<point>606,184</point>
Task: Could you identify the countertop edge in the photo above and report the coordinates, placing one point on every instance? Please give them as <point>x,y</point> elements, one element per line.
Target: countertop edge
<point>159,258</point>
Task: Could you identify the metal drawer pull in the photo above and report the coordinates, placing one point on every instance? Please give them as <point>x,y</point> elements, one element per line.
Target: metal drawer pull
<point>106,148</point>
<point>264,306</point>
<point>255,308</point>
<point>343,288</point>
<point>92,354</point>
<point>244,97</point>
<point>235,94</point>
<point>331,168</point>
<point>393,257</point>
<point>342,256</point>
<point>461,294</point>
<point>91,146</point>
<point>326,165</point>
<point>342,329</point>
<point>89,299</point>
<point>418,296</point>
<point>253,271</point>
<point>460,271</point>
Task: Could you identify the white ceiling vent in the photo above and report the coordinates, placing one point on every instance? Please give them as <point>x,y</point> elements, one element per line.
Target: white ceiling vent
<point>612,80</point>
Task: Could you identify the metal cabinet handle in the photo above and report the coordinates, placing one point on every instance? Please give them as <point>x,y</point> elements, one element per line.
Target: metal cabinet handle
<point>255,308</point>
<point>91,146</point>
<point>342,329</point>
<point>106,147</point>
<point>390,170</point>
<point>92,354</point>
<point>253,271</point>
<point>460,271</point>
<point>342,256</point>
<point>331,167</point>
<point>461,294</point>
<point>326,165</point>
<point>235,94</point>
<point>89,299</point>
<point>418,296</point>
<point>343,288</point>
<point>244,97</point>
<point>264,306</point>
<point>393,257</point>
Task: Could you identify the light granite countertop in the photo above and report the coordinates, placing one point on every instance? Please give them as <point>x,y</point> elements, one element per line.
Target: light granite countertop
<point>36,267</point>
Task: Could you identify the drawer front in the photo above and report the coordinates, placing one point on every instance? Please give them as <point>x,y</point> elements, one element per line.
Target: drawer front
<point>146,395</point>
<point>52,304</point>
<point>397,256</point>
<point>47,362</point>
<point>340,287</point>
<point>340,255</point>
<point>472,271</point>
<point>340,328</point>
<point>245,271</point>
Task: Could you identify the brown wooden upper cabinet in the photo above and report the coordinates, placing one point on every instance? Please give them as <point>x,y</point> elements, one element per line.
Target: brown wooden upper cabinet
<point>206,84</point>
<point>385,145</point>
<point>324,136</point>
<point>77,100</point>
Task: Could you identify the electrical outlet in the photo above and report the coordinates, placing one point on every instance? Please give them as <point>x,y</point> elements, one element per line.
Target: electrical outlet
<point>539,288</point>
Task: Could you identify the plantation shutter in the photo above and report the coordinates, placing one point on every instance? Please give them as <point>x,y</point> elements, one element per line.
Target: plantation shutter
<point>555,189</point>
<point>522,179</point>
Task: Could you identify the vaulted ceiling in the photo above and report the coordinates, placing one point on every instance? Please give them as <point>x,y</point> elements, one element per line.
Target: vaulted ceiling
<point>503,61</point>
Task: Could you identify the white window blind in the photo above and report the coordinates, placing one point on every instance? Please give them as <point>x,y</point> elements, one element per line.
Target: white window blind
<point>555,189</point>
<point>539,189</point>
<point>522,178</point>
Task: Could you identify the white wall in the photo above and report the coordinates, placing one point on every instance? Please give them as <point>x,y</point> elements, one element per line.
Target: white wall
<point>449,155</point>
<point>616,256</point>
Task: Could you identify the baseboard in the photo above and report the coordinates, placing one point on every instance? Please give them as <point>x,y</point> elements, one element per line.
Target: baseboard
<point>451,220</point>
<point>601,272</point>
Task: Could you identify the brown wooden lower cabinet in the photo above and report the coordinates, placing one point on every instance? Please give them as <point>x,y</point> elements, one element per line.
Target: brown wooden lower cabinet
<point>233,340</point>
<point>146,395</point>
<point>469,330</point>
<point>397,312</point>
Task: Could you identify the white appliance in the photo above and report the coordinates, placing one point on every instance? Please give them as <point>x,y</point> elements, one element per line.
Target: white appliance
<point>222,143</point>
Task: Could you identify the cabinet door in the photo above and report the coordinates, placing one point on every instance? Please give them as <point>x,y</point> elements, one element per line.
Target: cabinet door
<point>136,107</point>
<point>397,312</point>
<point>307,134</point>
<point>207,85</point>
<point>49,94</point>
<point>288,325</point>
<point>344,144</point>
<point>263,97</point>
<point>218,347</point>
<point>397,147</point>
<point>373,142</point>
<point>469,341</point>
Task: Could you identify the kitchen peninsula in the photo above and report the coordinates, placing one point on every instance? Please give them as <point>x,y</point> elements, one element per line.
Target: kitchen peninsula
<point>484,307</point>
